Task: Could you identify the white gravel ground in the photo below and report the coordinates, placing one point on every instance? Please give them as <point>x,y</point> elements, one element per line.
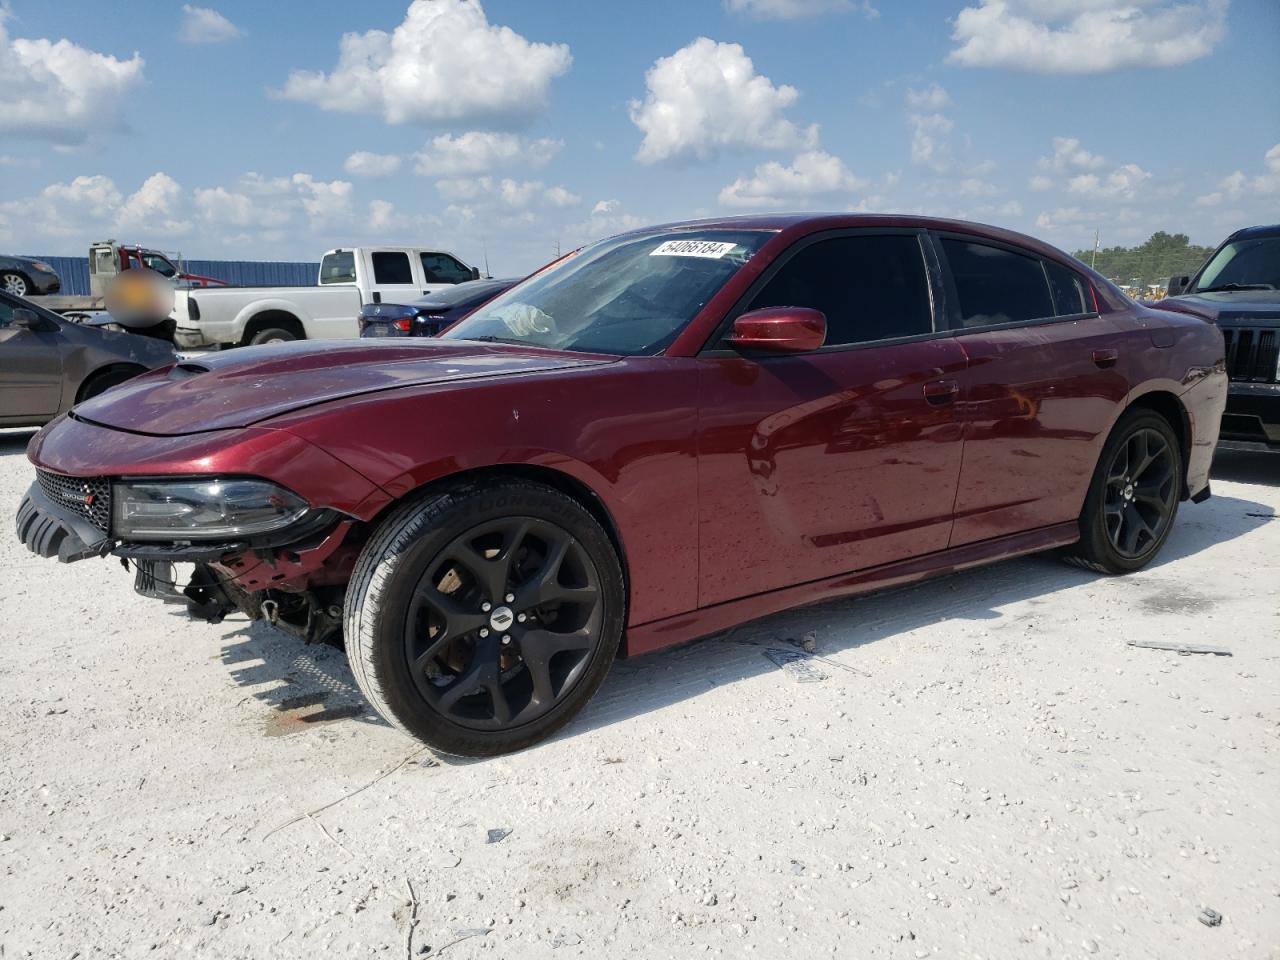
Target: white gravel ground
<point>986,771</point>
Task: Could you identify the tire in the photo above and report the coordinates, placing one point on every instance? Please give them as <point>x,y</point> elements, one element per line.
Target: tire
<point>1133,497</point>
<point>14,283</point>
<point>535,660</point>
<point>102,382</point>
<point>272,335</point>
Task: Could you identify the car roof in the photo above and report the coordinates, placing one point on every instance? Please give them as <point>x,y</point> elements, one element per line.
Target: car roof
<point>805,223</point>
<point>1252,233</point>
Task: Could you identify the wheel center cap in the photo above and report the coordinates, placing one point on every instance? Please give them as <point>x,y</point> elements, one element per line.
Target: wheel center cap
<point>1128,492</point>
<point>501,619</point>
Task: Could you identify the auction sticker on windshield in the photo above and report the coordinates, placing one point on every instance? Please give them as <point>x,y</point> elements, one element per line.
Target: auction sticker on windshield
<point>708,249</point>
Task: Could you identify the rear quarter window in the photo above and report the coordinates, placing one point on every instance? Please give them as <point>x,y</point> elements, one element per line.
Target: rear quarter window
<point>338,268</point>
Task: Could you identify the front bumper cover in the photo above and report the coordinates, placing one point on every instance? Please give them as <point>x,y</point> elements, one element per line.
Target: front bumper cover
<point>50,530</point>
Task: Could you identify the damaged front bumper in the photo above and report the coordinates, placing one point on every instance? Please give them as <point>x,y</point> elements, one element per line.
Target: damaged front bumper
<point>275,576</point>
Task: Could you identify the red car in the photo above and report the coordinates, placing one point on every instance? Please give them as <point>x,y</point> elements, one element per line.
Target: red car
<point>667,433</point>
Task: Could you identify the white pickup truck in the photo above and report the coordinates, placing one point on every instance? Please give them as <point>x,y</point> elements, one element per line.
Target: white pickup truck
<point>349,278</point>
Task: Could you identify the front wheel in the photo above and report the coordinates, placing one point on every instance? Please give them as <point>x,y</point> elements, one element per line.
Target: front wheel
<point>14,283</point>
<point>1133,499</point>
<point>482,618</point>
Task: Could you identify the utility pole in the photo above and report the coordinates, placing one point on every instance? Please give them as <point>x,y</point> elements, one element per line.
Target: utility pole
<point>1094,259</point>
<point>557,248</point>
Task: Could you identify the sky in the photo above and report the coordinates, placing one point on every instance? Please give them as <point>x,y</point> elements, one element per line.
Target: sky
<point>507,130</point>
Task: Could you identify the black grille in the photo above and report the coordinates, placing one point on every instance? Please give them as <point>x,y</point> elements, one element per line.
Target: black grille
<point>90,497</point>
<point>1252,354</point>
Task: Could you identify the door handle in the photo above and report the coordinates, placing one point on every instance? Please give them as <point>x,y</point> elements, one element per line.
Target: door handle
<point>941,391</point>
<point>1106,358</point>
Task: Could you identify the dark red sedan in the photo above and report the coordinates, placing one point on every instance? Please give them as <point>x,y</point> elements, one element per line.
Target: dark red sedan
<point>669,432</point>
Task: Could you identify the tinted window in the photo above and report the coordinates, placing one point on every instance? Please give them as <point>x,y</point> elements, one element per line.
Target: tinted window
<point>391,267</point>
<point>160,265</point>
<point>870,288</point>
<point>1067,289</point>
<point>996,285</point>
<point>442,268</point>
<point>338,267</point>
<point>1251,261</point>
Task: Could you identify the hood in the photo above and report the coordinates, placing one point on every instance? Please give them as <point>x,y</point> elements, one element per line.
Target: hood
<point>248,385</point>
<point>1226,305</point>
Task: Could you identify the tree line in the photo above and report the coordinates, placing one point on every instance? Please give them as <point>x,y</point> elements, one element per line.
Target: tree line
<point>1152,262</point>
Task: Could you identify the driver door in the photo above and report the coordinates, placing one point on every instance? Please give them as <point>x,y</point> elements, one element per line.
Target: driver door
<point>845,458</point>
<point>30,370</point>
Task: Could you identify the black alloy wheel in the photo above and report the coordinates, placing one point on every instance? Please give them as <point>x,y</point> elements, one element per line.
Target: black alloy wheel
<point>1141,494</point>
<point>481,617</point>
<point>1133,497</point>
<point>502,623</point>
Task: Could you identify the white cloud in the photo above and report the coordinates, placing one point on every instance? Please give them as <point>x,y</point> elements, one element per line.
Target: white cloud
<point>1123,183</point>
<point>477,152</point>
<point>706,98</point>
<point>1239,184</point>
<point>796,9</point>
<point>509,193</point>
<point>204,25</point>
<point>362,163</point>
<point>1086,36</point>
<point>931,98</point>
<point>929,143</point>
<point>61,91</point>
<point>1040,183</point>
<point>812,174</point>
<point>262,202</point>
<point>445,63</point>
<point>1068,157</point>
<point>95,205</point>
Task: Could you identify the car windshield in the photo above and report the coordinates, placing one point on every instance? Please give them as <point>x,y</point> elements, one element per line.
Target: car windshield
<point>629,295</point>
<point>1248,264</point>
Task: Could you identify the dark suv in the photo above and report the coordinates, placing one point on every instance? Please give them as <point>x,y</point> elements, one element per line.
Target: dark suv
<point>1238,288</point>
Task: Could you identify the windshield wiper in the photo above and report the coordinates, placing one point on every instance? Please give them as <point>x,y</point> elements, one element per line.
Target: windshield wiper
<point>1235,286</point>
<point>492,339</point>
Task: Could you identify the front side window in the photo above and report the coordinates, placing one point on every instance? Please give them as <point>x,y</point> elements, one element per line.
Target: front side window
<point>630,295</point>
<point>868,287</point>
<point>160,265</point>
<point>442,268</point>
<point>1242,265</point>
<point>338,267</point>
<point>995,285</point>
<point>389,267</point>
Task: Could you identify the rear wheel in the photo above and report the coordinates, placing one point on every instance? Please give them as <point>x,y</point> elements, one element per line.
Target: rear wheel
<point>272,335</point>
<point>1133,500</point>
<point>482,618</point>
<point>14,283</point>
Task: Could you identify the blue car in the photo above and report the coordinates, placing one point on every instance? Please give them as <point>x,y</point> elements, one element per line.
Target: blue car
<point>427,316</point>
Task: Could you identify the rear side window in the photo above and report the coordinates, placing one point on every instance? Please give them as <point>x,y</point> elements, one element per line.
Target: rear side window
<point>338,267</point>
<point>870,288</point>
<point>996,285</point>
<point>391,267</point>
<point>1067,289</point>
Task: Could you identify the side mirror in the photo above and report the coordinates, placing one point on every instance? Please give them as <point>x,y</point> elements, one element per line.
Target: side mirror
<point>475,273</point>
<point>780,330</point>
<point>30,320</point>
<point>1178,284</point>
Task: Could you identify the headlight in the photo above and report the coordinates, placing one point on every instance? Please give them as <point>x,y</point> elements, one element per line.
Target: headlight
<point>42,266</point>
<point>201,509</point>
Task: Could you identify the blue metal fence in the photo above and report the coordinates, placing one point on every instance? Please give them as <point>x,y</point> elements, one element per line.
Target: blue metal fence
<point>74,272</point>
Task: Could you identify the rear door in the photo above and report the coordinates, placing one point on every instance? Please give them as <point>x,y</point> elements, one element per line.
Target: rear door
<point>1042,385</point>
<point>30,370</point>
<point>395,276</point>
<point>841,459</point>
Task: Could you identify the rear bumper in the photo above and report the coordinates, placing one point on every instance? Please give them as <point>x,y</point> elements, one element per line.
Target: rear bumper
<point>191,338</point>
<point>1252,416</point>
